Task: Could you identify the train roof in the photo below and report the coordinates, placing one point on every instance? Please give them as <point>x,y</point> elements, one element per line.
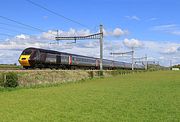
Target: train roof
<point>57,52</point>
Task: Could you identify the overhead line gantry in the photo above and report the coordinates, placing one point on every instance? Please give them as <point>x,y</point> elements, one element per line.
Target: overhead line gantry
<point>88,37</point>
<point>123,53</point>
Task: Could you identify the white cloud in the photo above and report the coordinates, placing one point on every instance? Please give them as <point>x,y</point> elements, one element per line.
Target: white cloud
<point>43,40</point>
<point>133,18</point>
<point>117,32</point>
<point>71,32</point>
<point>9,56</point>
<point>170,50</point>
<point>88,44</point>
<point>161,57</point>
<point>132,43</point>
<point>51,34</point>
<point>163,51</point>
<point>169,29</point>
<point>113,45</point>
<point>153,19</point>
<point>165,27</point>
<point>10,49</point>
<point>21,42</point>
<point>177,32</point>
<point>165,47</point>
<point>22,36</point>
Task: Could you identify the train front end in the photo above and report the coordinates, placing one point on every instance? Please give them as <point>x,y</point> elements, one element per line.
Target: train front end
<point>26,57</point>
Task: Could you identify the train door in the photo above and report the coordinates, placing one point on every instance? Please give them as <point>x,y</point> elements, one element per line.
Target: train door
<point>70,60</point>
<point>97,62</point>
<point>74,62</point>
<point>113,64</point>
<point>43,57</point>
<point>58,59</point>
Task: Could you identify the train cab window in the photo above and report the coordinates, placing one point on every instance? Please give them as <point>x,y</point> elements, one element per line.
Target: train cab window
<point>26,52</point>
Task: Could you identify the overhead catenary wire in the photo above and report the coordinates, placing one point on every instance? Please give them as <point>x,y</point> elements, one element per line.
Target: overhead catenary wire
<point>17,26</point>
<point>21,23</point>
<point>5,34</point>
<point>26,25</point>
<point>12,30</point>
<point>57,14</point>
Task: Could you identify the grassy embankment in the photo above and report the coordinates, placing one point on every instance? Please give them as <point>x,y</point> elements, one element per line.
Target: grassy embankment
<point>9,67</point>
<point>150,96</point>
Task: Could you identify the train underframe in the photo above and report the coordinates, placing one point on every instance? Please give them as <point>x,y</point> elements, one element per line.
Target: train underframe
<point>66,66</point>
<point>70,67</point>
<point>60,66</point>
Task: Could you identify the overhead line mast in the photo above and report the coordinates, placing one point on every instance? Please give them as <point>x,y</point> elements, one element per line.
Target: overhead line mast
<point>146,61</point>
<point>123,53</point>
<point>92,36</point>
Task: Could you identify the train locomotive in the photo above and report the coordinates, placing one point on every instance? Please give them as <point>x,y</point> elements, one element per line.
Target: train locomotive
<point>42,58</point>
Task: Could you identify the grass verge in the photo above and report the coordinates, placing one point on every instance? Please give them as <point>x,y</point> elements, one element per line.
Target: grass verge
<point>150,96</point>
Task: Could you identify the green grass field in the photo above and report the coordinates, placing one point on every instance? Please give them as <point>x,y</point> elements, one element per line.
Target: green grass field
<point>150,96</point>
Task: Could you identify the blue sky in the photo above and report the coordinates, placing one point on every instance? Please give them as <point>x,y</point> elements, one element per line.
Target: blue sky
<point>154,24</point>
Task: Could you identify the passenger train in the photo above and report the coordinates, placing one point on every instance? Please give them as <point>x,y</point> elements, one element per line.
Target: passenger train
<point>42,58</point>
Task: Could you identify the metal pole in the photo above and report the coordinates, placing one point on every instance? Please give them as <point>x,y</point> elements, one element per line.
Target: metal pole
<point>132,58</point>
<point>146,62</point>
<point>57,36</point>
<point>5,78</point>
<point>101,47</point>
<point>57,33</point>
<point>170,64</point>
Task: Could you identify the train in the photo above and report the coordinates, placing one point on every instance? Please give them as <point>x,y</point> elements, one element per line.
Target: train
<point>32,58</point>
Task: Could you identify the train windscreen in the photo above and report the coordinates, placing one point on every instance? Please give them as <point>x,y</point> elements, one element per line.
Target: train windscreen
<point>26,52</point>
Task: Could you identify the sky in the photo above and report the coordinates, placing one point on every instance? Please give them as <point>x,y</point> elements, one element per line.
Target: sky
<point>152,27</point>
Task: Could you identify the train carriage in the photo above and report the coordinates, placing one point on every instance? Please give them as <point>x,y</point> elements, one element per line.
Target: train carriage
<point>41,58</point>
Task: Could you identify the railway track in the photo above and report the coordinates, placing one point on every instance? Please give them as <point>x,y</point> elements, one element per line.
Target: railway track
<point>39,70</point>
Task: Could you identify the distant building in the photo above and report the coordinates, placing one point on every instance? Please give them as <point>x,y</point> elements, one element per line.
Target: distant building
<point>175,69</point>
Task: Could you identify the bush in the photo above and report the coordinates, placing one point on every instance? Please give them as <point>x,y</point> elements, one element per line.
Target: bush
<point>1,80</point>
<point>91,74</point>
<point>100,73</point>
<point>114,72</point>
<point>9,79</point>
